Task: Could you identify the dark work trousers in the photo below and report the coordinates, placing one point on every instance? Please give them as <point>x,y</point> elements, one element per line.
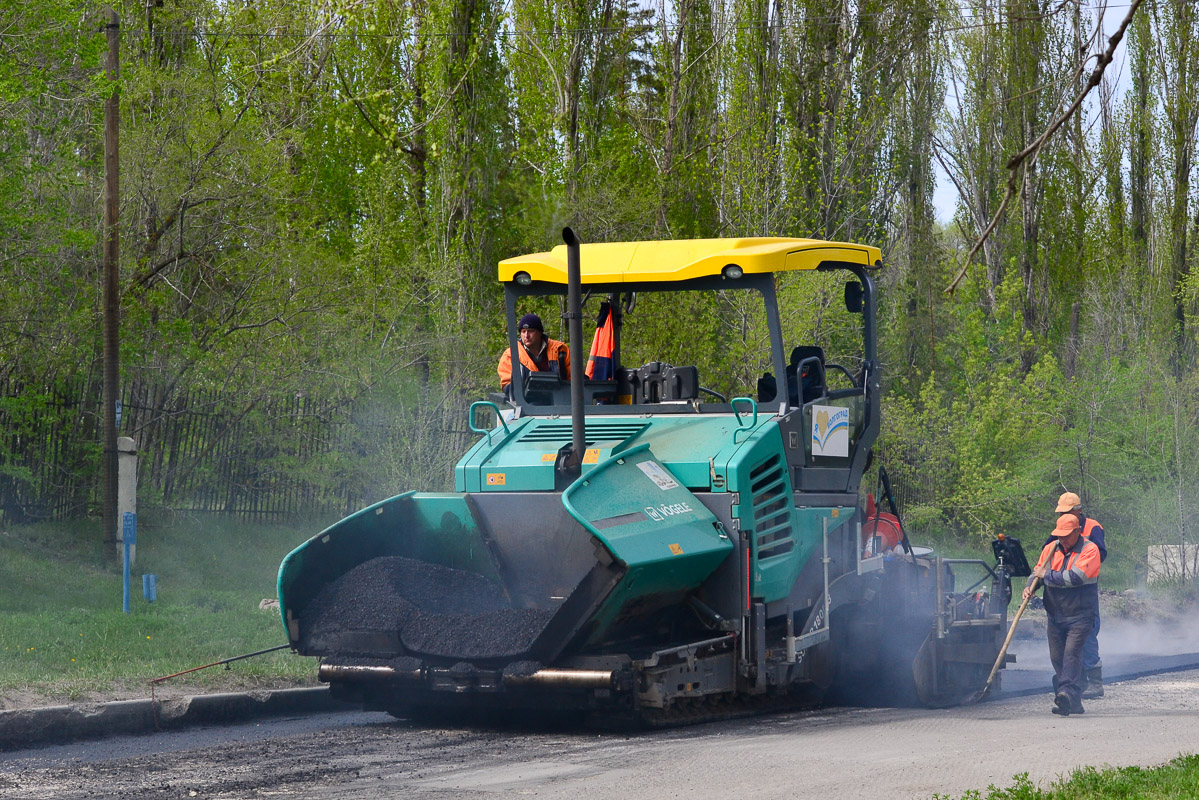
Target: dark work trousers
<point>1066,639</point>
<point>1090,650</point>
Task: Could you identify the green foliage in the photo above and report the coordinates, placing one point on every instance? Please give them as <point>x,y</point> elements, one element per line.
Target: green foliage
<point>50,119</point>
<point>982,439</point>
<point>314,198</point>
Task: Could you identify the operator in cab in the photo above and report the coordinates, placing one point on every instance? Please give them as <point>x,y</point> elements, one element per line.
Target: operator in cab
<point>538,353</point>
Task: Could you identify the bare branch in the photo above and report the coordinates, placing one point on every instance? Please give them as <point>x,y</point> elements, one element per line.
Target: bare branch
<point>1031,150</point>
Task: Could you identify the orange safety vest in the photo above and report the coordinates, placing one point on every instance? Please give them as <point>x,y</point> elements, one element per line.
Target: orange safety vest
<point>1079,566</point>
<point>1071,579</point>
<point>553,349</point>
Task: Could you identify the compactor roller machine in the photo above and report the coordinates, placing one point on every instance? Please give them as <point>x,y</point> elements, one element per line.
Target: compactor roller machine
<point>635,544</point>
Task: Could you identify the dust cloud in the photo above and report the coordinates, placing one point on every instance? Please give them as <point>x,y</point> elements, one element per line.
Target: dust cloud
<point>1131,628</point>
<point>1161,635</point>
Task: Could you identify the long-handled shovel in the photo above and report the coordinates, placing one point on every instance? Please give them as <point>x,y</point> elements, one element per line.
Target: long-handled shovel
<point>1036,582</point>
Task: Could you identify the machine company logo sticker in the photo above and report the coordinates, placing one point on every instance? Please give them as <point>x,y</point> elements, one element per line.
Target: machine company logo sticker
<point>660,513</point>
<point>658,475</point>
<point>830,431</point>
<point>496,478</point>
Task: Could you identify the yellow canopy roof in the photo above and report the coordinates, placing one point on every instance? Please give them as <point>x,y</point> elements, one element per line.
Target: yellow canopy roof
<point>680,260</point>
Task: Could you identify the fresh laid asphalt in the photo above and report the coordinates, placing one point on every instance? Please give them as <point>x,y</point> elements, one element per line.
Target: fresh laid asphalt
<point>847,753</point>
<point>33,727</point>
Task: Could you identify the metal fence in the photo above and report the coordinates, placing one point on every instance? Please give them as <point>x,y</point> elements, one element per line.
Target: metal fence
<point>201,451</point>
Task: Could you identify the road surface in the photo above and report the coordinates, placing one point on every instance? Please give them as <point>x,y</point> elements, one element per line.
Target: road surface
<point>833,753</point>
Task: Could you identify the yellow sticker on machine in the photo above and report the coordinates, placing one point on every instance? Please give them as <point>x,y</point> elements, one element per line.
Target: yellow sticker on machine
<point>591,455</point>
<point>496,478</point>
<point>676,549</point>
<point>548,456</point>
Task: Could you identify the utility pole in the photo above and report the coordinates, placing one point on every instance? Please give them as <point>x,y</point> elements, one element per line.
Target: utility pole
<point>112,298</point>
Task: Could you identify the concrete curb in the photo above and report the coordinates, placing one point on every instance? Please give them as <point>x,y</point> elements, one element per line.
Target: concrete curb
<point>30,727</point>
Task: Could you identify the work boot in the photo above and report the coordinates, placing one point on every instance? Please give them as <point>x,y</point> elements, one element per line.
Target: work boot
<point>1062,704</point>
<point>1094,683</point>
<point>1076,707</point>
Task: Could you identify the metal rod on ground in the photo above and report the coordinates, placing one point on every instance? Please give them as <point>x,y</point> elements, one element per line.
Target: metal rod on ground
<point>1003,650</point>
<point>156,681</point>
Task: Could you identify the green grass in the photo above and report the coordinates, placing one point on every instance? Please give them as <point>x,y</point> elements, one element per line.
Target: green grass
<point>63,634</point>
<point>1177,779</point>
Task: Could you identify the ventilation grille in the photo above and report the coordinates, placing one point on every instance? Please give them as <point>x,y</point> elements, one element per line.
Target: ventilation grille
<point>560,432</point>
<point>771,508</point>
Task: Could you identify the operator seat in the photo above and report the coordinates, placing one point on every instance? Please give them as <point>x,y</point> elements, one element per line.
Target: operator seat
<point>808,362</point>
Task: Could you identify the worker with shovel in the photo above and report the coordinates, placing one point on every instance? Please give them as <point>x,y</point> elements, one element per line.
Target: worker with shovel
<point>1070,503</point>
<point>1069,570</point>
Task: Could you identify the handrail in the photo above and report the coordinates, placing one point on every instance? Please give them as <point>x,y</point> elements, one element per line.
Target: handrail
<point>978,561</point>
<point>753,407</point>
<point>743,426</point>
<point>470,419</point>
<point>833,365</point>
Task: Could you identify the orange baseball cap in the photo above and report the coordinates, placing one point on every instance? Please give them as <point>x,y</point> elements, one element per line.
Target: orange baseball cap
<point>1068,502</point>
<point>1066,525</point>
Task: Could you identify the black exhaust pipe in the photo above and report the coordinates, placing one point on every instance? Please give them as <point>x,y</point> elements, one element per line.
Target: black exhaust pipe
<point>574,319</point>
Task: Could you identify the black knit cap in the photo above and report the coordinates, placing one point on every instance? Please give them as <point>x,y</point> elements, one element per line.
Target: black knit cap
<point>530,321</point>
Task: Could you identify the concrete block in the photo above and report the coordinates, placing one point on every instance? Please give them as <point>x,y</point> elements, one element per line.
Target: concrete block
<point>1173,562</point>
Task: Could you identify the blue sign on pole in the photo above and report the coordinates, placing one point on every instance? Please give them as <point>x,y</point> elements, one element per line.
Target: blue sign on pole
<point>118,409</point>
<point>129,528</point>
<point>129,537</point>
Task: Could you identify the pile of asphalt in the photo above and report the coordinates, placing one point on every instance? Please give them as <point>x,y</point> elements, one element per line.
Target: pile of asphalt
<point>435,610</point>
<point>492,634</point>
